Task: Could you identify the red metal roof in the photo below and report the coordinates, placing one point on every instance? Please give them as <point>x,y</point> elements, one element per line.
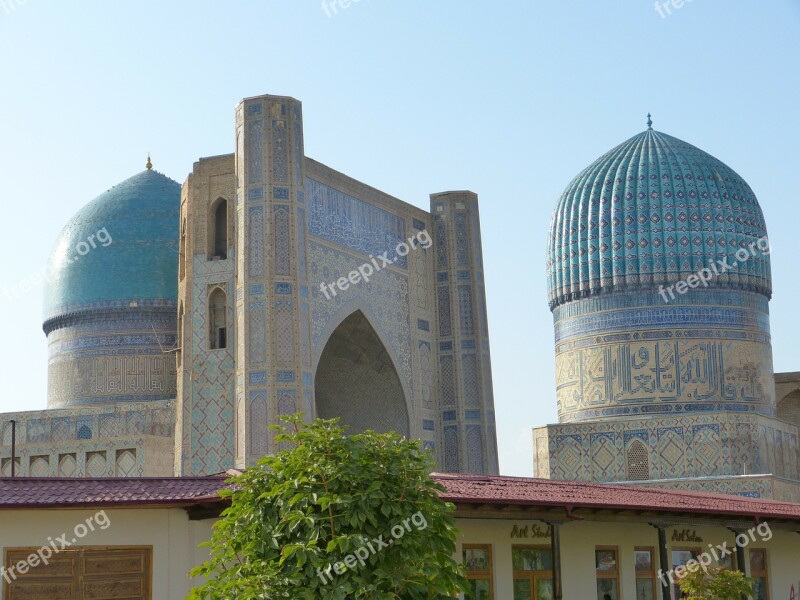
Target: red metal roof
<point>49,492</point>
<point>480,489</point>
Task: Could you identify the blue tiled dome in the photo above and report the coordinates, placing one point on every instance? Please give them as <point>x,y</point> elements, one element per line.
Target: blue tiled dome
<point>651,212</point>
<point>139,265</point>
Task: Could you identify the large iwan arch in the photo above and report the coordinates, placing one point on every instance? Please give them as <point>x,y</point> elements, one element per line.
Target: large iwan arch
<point>357,381</point>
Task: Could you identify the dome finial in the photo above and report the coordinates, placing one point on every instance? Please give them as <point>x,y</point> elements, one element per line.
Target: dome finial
<point>149,163</point>
<point>649,121</point>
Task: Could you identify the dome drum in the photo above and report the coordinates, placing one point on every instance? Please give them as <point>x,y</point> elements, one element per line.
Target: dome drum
<point>631,343</point>
<point>111,298</point>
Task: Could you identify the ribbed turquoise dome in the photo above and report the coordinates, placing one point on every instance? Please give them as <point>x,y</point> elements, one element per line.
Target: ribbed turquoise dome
<point>651,212</point>
<point>140,217</point>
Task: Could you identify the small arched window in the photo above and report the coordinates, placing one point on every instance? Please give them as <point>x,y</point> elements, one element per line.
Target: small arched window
<point>84,432</point>
<point>218,230</point>
<point>218,319</point>
<point>638,462</point>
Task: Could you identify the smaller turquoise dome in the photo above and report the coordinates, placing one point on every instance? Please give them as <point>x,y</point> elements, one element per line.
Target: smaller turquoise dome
<point>121,248</point>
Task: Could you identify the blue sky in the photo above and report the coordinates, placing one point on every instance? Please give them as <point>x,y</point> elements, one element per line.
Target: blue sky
<point>508,98</point>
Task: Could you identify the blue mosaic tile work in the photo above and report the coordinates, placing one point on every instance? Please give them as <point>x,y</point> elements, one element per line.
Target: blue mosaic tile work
<point>663,378</point>
<point>104,356</point>
<point>464,379</point>
<point>258,377</point>
<point>652,298</point>
<point>475,459</point>
<point>207,404</point>
<point>385,301</point>
<point>255,151</point>
<point>462,240</point>
<point>663,317</point>
<point>627,354</point>
<point>440,237</point>
<point>141,218</point>
<point>677,446</point>
<point>255,225</point>
<point>451,449</point>
<point>352,223</point>
<point>298,148</point>
<point>652,211</point>
<point>280,159</point>
<point>284,376</point>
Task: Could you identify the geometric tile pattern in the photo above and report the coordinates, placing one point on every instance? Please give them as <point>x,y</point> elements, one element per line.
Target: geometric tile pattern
<point>474,449</point>
<point>679,447</point>
<point>464,378</point>
<point>235,365</point>
<point>652,211</point>
<point>272,239</point>
<point>385,301</point>
<point>208,431</point>
<point>205,440</point>
<point>451,453</point>
<point>63,439</point>
<point>113,356</point>
<point>361,227</point>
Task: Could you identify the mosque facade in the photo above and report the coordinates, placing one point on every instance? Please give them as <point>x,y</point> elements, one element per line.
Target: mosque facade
<point>183,321</point>
<point>659,283</point>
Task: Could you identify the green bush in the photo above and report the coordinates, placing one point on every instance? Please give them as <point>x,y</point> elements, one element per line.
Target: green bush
<point>715,583</point>
<point>334,517</point>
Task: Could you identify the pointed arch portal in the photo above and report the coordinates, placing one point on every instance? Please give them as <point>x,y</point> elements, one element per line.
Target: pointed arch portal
<point>356,380</point>
<point>789,408</point>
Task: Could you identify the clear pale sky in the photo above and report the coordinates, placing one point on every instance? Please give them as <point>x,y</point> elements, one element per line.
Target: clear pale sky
<point>507,98</point>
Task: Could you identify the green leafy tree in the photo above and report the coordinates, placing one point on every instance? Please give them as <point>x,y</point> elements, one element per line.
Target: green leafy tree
<point>715,583</point>
<point>334,517</point>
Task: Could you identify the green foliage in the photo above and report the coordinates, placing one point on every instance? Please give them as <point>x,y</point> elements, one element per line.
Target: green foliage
<point>305,509</point>
<point>715,583</point>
